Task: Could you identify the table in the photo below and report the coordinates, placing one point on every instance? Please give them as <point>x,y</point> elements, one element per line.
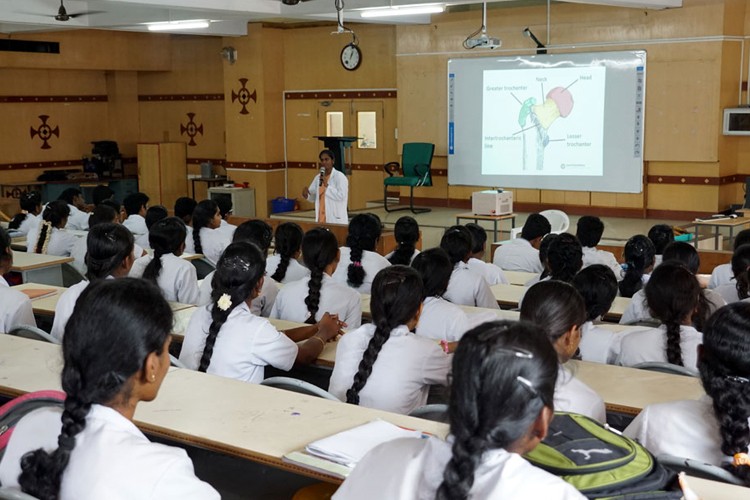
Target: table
<point>715,490</point>
<point>493,218</point>
<point>717,224</point>
<point>39,268</point>
<point>519,277</point>
<point>43,306</point>
<point>210,182</point>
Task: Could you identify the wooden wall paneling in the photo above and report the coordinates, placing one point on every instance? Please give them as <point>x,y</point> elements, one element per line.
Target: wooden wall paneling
<point>267,184</point>
<point>51,82</point>
<point>297,180</point>
<point>123,121</point>
<point>273,55</point>
<point>301,127</point>
<point>164,121</point>
<point>422,100</point>
<point>689,198</point>
<point>162,172</point>
<point>196,68</point>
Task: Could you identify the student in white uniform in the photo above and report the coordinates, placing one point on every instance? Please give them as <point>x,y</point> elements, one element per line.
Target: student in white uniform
<point>50,236</point>
<point>466,287</point>
<point>15,306</point>
<point>673,295</point>
<point>491,273</point>
<point>589,230</point>
<point>722,274</point>
<point>306,300</point>
<point>638,254</point>
<point>207,239</point>
<point>661,235</point>
<point>226,339</point>
<point>260,234</point>
<point>183,209</point>
<point>138,251</point>
<point>522,253</point>
<point>175,276</point>
<point>30,215</point>
<point>359,263</point>
<point>559,309</point>
<point>103,213</point>
<point>116,354</point>
<point>153,215</point>
<point>739,287</point>
<point>598,288</point>
<point>329,190</point>
<point>382,364</point>
<point>109,254</point>
<point>135,205</point>
<point>78,220</point>
<point>564,257</point>
<point>225,209</point>
<point>283,266</point>
<point>406,232</point>
<point>713,429</point>
<point>501,406</point>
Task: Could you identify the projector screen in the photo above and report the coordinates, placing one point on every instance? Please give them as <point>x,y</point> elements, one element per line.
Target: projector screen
<point>562,121</point>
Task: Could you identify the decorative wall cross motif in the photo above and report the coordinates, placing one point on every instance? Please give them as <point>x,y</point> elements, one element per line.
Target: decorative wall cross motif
<point>244,96</point>
<point>44,131</point>
<point>192,129</point>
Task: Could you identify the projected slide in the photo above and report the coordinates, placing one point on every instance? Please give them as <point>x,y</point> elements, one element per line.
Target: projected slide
<point>543,121</point>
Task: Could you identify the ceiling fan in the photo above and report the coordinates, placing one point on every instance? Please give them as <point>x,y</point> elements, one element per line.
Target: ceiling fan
<point>63,16</point>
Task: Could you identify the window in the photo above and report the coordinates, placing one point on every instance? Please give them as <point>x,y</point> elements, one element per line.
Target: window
<point>334,123</point>
<point>367,130</point>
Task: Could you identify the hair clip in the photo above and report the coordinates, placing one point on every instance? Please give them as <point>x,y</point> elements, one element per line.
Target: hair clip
<point>526,383</point>
<point>519,353</point>
<point>224,302</point>
<point>739,380</point>
<point>740,459</point>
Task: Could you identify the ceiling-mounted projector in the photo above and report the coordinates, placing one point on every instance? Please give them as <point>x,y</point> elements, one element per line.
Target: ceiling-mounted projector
<point>483,42</point>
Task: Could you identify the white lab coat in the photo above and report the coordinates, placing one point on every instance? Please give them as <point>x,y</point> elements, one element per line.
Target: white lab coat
<point>401,376</point>
<point>78,220</point>
<point>390,254</point>
<point>591,256</point>
<point>650,345</point>
<point>294,271</point>
<point>518,255</point>
<point>638,309</point>
<point>728,292</point>
<point>572,395</point>
<point>64,308</point>
<point>213,243</point>
<point>15,308</point>
<point>335,298</point>
<point>261,305</point>
<point>189,241</point>
<point>60,243</point>
<point>337,197</point>
<point>469,289</point>
<point>442,320</point>
<point>29,224</point>
<point>491,273</point>
<point>246,343</point>
<point>177,279</point>
<point>78,252</point>
<point>142,241</point>
<point>372,263</point>
<point>721,274</point>
<point>112,459</point>
<point>599,345</point>
<point>412,469</point>
<point>136,224</point>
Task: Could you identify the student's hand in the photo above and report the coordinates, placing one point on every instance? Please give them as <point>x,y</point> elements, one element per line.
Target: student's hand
<point>305,192</point>
<point>328,327</point>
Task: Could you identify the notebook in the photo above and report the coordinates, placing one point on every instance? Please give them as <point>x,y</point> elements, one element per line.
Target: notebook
<point>37,293</point>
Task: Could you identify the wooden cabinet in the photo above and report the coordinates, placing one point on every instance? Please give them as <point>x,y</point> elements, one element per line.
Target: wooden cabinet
<point>162,172</point>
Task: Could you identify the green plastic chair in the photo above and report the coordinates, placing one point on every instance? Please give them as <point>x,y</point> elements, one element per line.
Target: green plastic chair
<point>416,159</point>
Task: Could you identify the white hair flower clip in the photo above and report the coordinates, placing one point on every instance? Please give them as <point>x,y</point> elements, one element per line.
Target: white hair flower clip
<point>224,302</point>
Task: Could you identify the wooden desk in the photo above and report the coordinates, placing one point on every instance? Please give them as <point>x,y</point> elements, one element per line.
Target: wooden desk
<point>717,225</point>
<point>519,277</point>
<point>492,218</point>
<point>39,268</point>
<point>43,306</point>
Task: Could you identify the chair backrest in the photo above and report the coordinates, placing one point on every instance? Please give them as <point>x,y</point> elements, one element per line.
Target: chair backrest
<point>698,469</point>
<point>658,366</point>
<point>558,219</point>
<point>71,275</point>
<point>300,386</point>
<point>203,267</point>
<point>32,332</point>
<point>434,412</point>
<point>176,362</point>
<point>7,493</point>
<point>416,159</point>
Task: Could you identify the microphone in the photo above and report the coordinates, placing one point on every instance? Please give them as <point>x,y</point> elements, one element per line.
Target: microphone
<point>322,174</point>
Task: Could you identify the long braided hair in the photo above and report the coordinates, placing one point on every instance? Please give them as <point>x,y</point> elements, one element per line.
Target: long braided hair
<point>397,293</point>
<point>99,362</point>
<point>288,241</point>
<point>639,254</point>
<point>406,232</point>
<point>319,249</point>
<point>204,212</point>
<point>364,232</point>
<point>54,216</point>
<point>30,202</point>
<point>166,237</point>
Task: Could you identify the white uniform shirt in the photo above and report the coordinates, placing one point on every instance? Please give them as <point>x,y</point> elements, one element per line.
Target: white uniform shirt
<point>337,197</point>
<point>599,345</point>
<point>136,224</point>
<point>681,428</point>
<point>492,274</point>
<point>29,224</point>
<point>335,298</point>
<point>638,309</point>
<point>246,343</point>
<point>294,271</point>
<point>15,308</point>
<point>593,256</point>
<point>214,242</point>
<point>372,262</point>
<point>227,229</point>
<point>177,279</point>
<point>142,241</point>
<point>401,376</point>
<point>651,345</point>
<point>412,469</point>
<point>262,305</point>
<point>518,255</point>
<point>78,252</point>
<point>390,254</point>
<point>721,274</point>
<point>60,242</point>
<point>189,241</point>
<point>112,459</point>
<point>64,308</point>
<point>728,292</point>
<point>469,289</point>
<point>574,396</point>
<point>78,220</point>
<point>442,320</point>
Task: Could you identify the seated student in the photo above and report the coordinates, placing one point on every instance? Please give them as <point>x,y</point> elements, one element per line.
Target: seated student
<point>109,254</point>
<point>78,219</point>
<point>136,205</point>
<point>638,255</point>
<point>15,306</point>
<point>543,250</point>
<point>383,365</point>
<point>153,215</point>
<point>564,257</point>
<point>50,236</point>
<point>29,217</point>
<point>406,232</point>
<point>308,299</point>
<point>559,309</point>
<point>175,276</point>
<point>359,263</point>
<point>492,274</point>
<point>598,287</point>
<point>206,239</point>
<point>673,296</point>
<point>501,405</point>
<point>713,429</point>
<point>138,251</point>
<point>225,338</point>
<point>660,235</point>
<point>225,209</point>
<point>589,232</point>
<point>522,253</point>
<point>283,266</point>
<point>183,209</point>
<point>723,274</point>
<point>101,214</point>
<point>101,193</point>
<point>739,287</point>
<point>465,286</point>
<point>116,354</point>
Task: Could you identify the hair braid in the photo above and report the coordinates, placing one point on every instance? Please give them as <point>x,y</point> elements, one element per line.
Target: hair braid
<point>312,301</point>
<point>218,318</point>
<point>674,351</point>
<point>458,476</point>
<point>355,275</point>
<point>381,335</point>
<point>45,232</point>
<point>153,269</point>
<point>280,272</point>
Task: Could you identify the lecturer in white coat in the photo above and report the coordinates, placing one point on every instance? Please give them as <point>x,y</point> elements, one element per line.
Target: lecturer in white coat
<point>330,193</point>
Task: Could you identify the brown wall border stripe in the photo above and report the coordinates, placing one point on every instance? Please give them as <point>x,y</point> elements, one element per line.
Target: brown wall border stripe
<point>242,165</point>
<point>215,161</point>
<point>694,180</point>
<point>344,94</point>
<point>14,99</point>
<point>180,97</point>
